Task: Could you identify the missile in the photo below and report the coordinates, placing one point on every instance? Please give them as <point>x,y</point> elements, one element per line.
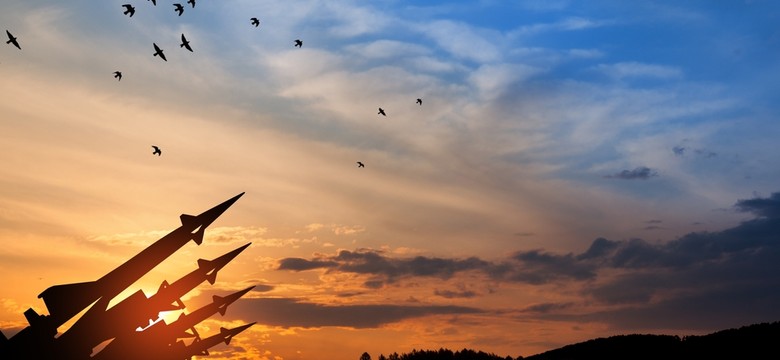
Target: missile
<point>157,337</point>
<point>201,346</point>
<point>98,325</point>
<point>65,301</point>
<point>168,296</point>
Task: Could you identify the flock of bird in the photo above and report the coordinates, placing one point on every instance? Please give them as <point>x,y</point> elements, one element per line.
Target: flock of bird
<point>179,9</point>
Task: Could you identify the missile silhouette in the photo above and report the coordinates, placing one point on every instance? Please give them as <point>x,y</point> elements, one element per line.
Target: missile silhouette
<point>206,271</point>
<point>161,336</point>
<point>201,346</point>
<point>98,325</point>
<point>65,301</point>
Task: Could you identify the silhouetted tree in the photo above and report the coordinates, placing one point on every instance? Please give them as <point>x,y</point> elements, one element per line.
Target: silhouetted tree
<point>365,356</point>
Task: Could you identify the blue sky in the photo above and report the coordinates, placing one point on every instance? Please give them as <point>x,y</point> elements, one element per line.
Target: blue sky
<point>549,130</point>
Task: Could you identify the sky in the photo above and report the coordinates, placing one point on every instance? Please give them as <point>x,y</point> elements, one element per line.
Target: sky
<point>577,169</point>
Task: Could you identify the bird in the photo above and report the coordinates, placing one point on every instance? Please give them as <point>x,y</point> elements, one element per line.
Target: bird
<point>381,112</point>
<point>158,52</point>
<point>298,43</point>
<point>12,40</point>
<point>178,8</point>
<point>154,2</point>
<point>156,151</point>
<point>419,101</point>
<point>360,164</point>
<point>191,2</point>
<point>129,9</point>
<point>185,43</point>
<point>118,75</point>
<point>255,21</point>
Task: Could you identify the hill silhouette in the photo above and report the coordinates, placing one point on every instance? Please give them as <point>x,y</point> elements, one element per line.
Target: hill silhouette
<point>758,341</point>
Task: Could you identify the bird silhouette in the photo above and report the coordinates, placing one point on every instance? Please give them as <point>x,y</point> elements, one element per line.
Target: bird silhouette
<point>298,43</point>
<point>154,2</point>
<point>118,75</point>
<point>178,8</point>
<point>185,43</point>
<point>255,21</point>
<point>12,40</point>
<point>419,101</point>
<point>360,164</point>
<point>191,2</point>
<point>382,112</point>
<point>156,151</point>
<point>129,9</point>
<point>158,52</point>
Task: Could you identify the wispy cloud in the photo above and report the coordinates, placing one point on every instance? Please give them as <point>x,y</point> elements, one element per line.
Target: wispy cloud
<point>472,43</point>
<point>625,70</point>
<point>567,24</point>
<point>287,312</point>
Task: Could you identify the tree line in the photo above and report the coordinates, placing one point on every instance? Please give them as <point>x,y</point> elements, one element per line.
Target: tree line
<point>758,341</point>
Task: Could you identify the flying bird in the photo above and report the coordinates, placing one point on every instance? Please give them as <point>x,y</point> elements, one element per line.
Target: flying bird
<point>118,75</point>
<point>255,22</point>
<point>178,8</point>
<point>419,101</point>
<point>185,43</point>
<point>12,40</point>
<point>360,164</point>
<point>154,2</point>
<point>156,151</point>
<point>191,2</point>
<point>129,9</point>
<point>158,52</point>
<point>381,112</point>
<point>298,43</point>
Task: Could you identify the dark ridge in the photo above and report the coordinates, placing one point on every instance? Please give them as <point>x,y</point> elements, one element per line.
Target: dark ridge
<point>755,342</point>
<point>758,341</point>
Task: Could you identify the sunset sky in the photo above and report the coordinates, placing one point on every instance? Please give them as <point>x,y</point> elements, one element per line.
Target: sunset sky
<point>577,169</point>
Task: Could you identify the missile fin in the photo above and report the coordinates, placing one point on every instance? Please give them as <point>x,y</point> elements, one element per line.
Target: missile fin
<point>188,220</point>
<point>67,300</point>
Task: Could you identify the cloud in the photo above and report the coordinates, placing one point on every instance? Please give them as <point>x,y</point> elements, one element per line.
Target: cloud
<point>383,269</point>
<point>546,307</point>
<point>683,281</point>
<point>471,43</point>
<point>263,288</point>
<point>681,151</point>
<point>567,24</point>
<point>298,264</point>
<point>449,294</point>
<point>286,312</point>
<point>639,173</point>
<point>639,70</point>
<point>235,234</point>
<point>768,208</point>
<point>537,267</point>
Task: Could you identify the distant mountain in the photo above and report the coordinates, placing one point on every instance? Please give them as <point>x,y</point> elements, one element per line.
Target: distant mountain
<point>753,342</point>
<point>759,341</point>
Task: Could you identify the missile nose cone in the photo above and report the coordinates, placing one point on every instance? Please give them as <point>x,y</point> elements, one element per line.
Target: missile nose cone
<point>196,225</point>
<point>230,333</point>
<point>207,217</point>
<point>213,266</point>
<point>227,300</point>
